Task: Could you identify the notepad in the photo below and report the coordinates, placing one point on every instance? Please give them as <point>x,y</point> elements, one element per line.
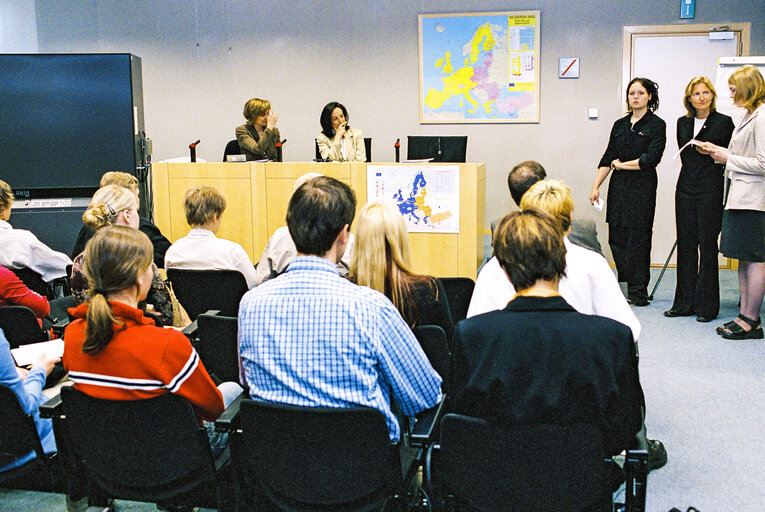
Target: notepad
<point>28,354</point>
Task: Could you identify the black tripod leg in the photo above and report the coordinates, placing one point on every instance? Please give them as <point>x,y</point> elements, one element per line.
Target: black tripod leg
<point>650,297</point>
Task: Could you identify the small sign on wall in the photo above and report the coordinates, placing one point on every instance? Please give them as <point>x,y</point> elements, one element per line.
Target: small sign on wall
<point>568,67</point>
<point>687,9</point>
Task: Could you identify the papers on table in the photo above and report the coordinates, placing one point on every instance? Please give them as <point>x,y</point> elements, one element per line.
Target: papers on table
<point>28,354</point>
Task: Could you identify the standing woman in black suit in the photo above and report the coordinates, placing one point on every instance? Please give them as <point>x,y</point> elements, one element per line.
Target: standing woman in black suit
<point>635,148</point>
<point>699,204</point>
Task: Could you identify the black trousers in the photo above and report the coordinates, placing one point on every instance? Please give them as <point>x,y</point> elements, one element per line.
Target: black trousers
<point>631,248</point>
<point>698,218</point>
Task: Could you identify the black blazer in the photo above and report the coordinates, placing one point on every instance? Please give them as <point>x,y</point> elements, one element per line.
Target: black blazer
<point>632,194</point>
<point>699,173</point>
<point>540,361</point>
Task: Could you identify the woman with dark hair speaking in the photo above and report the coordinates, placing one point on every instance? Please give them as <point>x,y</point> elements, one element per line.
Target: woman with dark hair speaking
<point>634,150</point>
<point>699,204</point>
<point>337,141</point>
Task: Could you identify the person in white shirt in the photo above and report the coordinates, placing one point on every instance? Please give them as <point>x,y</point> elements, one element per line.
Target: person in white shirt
<point>20,248</point>
<point>201,249</point>
<point>589,285</point>
<point>280,248</point>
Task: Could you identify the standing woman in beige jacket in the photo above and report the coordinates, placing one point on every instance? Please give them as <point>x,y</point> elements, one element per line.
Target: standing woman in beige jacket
<point>743,226</point>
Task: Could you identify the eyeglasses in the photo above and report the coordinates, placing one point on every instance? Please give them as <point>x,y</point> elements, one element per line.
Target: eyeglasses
<point>698,95</point>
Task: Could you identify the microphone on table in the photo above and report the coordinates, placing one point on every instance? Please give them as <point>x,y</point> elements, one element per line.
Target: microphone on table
<point>397,145</point>
<point>279,145</point>
<point>193,151</point>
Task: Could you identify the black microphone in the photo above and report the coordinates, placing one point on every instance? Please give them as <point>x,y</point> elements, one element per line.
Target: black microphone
<point>279,145</point>
<point>397,145</point>
<point>193,151</point>
<point>439,146</point>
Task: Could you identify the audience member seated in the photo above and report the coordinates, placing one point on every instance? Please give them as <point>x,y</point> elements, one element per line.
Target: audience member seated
<point>259,135</point>
<point>539,360</point>
<point>583,232</point>
<point>22,249</point>
<point>28,387</point>
<point>338,142</point>
<point>146,226</point>
<point>201,249</point>
<point>280,248</point>
<point>311,338</point>
<point>112,351</point>
<point>382,262</point>
<point>15,293</point>
<point>589,284</point>
<point>115,205</point>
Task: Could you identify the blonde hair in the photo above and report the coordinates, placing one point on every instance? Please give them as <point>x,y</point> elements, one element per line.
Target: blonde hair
<point>553,197</point>
<point>750,87</point>
<point>306,177</point>
<point>689,90</point>
<point>114,258</point>
<point>381,257</point>
<point>202,204</point>
<point>254,108</point>
<point>106,205</point>
<point>6,196</point>
<point>120,178</point>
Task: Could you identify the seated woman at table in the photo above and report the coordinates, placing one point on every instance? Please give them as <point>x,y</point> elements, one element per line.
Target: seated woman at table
<point>113,352</point>
<point>114,205</point>
<point>259,135</point>
<point>381,261</point>
<point>337,141</point>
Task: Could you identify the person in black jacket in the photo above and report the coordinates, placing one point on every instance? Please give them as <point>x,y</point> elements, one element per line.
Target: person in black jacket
<point>635,148</point>
<point>699,204</point>
<point>158,240</point>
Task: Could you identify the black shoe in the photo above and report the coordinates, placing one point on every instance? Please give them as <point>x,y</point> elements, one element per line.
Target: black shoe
<point>705,318</point>
<point>672,313</point>
<point>638,301</point>
<point>657,454</point>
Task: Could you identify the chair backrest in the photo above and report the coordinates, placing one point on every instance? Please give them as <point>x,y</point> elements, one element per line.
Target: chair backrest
<point>232,148</point>
<point>439,148</point>
<point>32,280</point>
<point>143,450</point>
<point>336,458</point>
<point>201,290</point>
<point>458,292</point>
<point>433,341</point>
<point>20,326</point>
<point>217,346</point>
<point>18,435</point>
<point>368,148</point>
<point>523,467</point>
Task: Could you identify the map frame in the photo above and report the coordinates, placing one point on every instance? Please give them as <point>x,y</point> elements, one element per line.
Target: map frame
<point>498,120</point>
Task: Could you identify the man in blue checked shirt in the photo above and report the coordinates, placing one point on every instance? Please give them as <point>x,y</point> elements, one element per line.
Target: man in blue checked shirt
<point>312,338</point>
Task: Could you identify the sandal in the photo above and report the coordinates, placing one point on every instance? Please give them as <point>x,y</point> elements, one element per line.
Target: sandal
<point>736,332</point>
<point>727,325</point>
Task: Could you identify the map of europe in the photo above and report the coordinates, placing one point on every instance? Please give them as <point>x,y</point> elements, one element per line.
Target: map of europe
<point>479,68</point>
<point>412,203</point>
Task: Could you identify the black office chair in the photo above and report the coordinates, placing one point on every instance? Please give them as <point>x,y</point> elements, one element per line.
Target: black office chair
<point>232,148</point>
<point>18,437</point>
<point>58,287</point>
<point>20,326</point>
<point>149,450</point>
<point>438,148</point>
<point>433,341</point>
<point>217,345</point>
<point>201,290</point>
<point>529,468</point>
<point>315,458</point>
<point>458,292</point>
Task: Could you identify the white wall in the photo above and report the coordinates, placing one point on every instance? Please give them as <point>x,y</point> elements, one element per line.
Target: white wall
<point>203,59</point>
<point>18,26</point>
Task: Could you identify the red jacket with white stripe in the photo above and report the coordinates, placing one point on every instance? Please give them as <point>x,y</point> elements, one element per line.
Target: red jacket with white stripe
<point>141,361</point>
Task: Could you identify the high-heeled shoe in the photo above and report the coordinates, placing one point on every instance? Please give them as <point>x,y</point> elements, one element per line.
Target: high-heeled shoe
<point>736,332</point>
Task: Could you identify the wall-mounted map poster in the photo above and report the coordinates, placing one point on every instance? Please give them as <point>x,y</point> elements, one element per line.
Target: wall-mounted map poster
<point>479,67</point>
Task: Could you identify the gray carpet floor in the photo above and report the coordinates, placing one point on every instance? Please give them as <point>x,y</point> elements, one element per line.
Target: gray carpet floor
<point>705,399</point>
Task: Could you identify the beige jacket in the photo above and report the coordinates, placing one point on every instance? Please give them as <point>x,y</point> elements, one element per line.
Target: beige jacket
<point>354,147</point>
<point>745,169</point>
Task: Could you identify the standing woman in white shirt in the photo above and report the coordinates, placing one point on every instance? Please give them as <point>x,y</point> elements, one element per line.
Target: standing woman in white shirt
<point>743,226</point>
<point>337,141</point>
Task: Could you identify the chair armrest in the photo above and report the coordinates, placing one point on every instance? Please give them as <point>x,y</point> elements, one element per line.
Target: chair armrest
<point>52,408</point>
<point>190,331</point>
<point>228,421</point>
<point>426,425</point>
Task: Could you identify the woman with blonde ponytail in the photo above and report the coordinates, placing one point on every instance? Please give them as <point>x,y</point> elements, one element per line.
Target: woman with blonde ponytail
<point>113,205</point>
<point>112,351</point>
<point>381,261</point>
